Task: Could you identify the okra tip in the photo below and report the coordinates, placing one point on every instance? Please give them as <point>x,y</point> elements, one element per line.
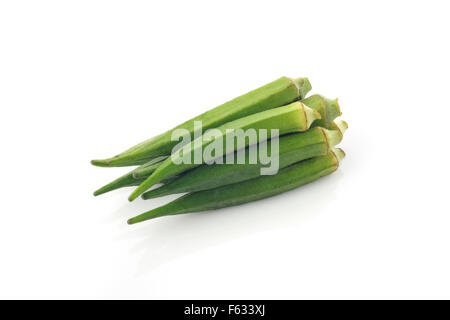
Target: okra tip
<point>142,217</point>
<point>116,161</point>
<point>152,214</point>
<point>102,190</point>
<point>145,185</point>
<point>136,193</point>
<point>100,163</point>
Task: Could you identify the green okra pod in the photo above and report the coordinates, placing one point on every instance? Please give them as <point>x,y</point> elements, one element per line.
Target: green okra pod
<point>262,187</point>
<point>295,117</point>
<point>272,95</point>
<point>292,148</point>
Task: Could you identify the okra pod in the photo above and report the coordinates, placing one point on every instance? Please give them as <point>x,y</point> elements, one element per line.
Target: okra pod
<point>275,94</point>
<point>262,187</point>
<point>295,117</point>
<point>292,148</point>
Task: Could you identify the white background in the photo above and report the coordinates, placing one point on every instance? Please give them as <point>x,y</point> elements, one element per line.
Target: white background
<point>86,79</point>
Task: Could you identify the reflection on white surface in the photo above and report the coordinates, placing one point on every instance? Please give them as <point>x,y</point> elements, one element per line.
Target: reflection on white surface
<point>165,239</point>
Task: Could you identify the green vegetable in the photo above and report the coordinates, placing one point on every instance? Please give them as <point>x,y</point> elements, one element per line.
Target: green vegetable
<point>292,148</point>
<point>265,186</point>
<point>129,179</point>
<point>295,117</point>
<point>138,175</point>
<point>272,95</point>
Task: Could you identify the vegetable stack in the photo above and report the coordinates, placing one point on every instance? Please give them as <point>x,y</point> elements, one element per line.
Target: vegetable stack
<point>265,142</point>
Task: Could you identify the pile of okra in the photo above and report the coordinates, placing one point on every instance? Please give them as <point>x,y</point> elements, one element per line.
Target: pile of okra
<point>299,131</point>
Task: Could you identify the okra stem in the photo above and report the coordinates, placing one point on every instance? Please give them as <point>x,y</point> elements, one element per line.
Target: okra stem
<point>328,108</point>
